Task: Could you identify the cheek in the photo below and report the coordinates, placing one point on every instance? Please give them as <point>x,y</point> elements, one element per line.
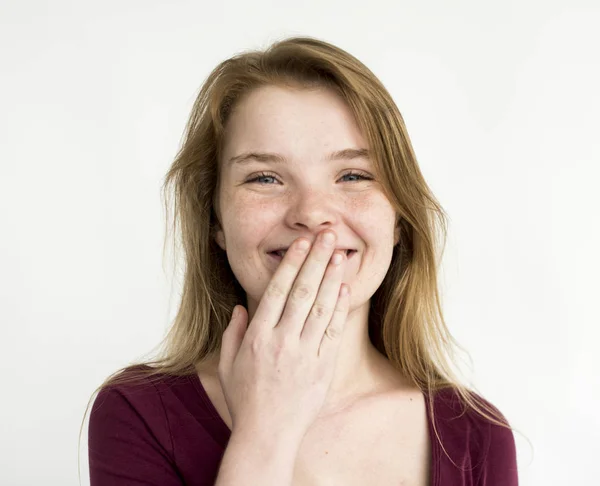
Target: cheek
<point>247,226</point>
<point>375,216</point>
<point>247,213</point>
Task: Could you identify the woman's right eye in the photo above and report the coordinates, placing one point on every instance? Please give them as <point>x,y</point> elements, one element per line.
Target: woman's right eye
<point>262,175</point>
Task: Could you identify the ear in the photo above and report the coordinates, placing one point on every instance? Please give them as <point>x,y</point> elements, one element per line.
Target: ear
<point>220,239</point>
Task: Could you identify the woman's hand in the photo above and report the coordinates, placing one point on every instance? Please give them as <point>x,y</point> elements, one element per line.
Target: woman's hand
<point>276,373</point>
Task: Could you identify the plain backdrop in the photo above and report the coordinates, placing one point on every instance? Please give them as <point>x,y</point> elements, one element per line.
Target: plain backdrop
<point>501,103</point>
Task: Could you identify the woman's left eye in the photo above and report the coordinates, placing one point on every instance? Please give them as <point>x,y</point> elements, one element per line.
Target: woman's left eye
<point>264,175</point>
<point>363,176</point>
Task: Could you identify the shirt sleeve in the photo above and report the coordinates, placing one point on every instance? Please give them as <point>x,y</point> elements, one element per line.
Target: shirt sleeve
<point>500,463</point>
<point>129,440</point>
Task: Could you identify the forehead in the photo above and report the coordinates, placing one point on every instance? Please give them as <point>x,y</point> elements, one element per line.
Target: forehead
<point>294,122</point>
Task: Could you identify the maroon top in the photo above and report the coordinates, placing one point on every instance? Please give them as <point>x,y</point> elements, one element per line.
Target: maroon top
<point>168,433</point>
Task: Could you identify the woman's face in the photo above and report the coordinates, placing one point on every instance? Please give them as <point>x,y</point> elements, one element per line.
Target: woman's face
<point>303,193</point>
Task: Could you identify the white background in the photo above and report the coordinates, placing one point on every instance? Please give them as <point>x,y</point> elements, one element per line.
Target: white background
<point>500,100</point>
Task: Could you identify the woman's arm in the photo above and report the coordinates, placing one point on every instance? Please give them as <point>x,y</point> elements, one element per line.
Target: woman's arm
<point>123,448</point>
<point>258,458</point>
<point>500,462</point>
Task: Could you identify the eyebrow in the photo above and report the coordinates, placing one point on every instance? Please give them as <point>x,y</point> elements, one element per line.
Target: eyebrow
<point>345,154</point>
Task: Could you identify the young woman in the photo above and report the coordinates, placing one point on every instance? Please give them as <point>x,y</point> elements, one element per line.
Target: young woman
<point>272,373</point>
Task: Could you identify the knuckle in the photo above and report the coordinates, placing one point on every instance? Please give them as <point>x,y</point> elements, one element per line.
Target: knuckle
<point>274,290</point>
<point>332,332</point>
<point>283,348</point>
<point>257,345</point>
<point>285,342</point>
<point>319,311</point>
<point>301,292</point>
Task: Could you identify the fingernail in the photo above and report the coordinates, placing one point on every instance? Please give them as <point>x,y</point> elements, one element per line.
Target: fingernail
<point>328,238</point>
<point>303,245</point>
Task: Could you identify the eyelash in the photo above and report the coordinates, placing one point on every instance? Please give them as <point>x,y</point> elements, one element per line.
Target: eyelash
<point>266,174</point>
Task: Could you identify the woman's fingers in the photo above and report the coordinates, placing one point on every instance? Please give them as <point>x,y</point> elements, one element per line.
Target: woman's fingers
<point>332,337</point>
<point>305,289</point>
<point>273,301</point>
<point>325,303</point>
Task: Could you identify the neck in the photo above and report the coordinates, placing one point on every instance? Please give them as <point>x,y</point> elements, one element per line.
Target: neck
<point>361,370</point>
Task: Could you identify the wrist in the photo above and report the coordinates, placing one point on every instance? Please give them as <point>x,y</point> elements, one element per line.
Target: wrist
<point>272,440</point>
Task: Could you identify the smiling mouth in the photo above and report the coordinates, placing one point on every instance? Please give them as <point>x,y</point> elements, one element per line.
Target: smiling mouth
<point>278,255</point>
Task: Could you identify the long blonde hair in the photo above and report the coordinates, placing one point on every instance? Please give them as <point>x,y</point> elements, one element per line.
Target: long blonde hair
<point>405,319</point>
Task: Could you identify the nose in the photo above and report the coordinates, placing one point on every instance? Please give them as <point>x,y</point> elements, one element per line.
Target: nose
<point>314,212</point>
